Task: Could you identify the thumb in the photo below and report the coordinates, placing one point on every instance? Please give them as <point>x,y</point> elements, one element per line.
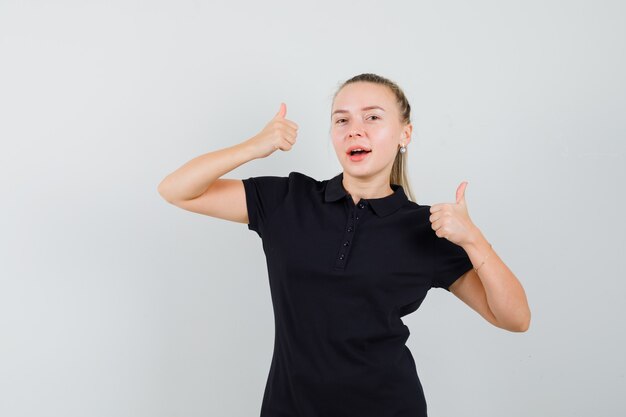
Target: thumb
<point>460,193</point>
<point>282,112</point>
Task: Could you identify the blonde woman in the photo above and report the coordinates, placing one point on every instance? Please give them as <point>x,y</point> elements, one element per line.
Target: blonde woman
<point>349,256</point>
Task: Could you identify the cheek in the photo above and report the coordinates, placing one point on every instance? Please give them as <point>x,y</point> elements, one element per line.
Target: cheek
<point>337,136</point>
<point>383,136</point>
<point>337,132</point>
<point>337,145</point>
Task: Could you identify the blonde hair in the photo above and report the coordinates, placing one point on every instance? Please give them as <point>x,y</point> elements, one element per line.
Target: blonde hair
<point>399,169</point>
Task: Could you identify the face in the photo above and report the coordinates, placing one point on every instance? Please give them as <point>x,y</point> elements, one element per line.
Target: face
<point>376,129</point>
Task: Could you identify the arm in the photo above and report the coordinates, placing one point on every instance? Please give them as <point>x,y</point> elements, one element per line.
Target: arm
<point>193,178</point>
<point>197,187</point>
<point>494,291</point>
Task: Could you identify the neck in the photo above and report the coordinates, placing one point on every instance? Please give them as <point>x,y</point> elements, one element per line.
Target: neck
<point>367,188</point>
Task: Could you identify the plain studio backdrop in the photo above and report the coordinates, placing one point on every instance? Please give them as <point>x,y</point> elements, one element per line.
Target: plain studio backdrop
<point>115,303</point>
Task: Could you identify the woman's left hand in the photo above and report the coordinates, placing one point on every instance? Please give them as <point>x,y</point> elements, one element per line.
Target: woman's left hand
<point>452,221</point>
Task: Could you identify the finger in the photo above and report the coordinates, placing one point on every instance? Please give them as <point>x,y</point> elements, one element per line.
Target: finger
<point>436,207</point>
<point>288,130</point>
<point>287,144</point>
<point>439,207</point>
<point>291,138</point>
<point>288,123</point>
<point>292,124</point>
<point>460,193</point>
<point>439,220</point>
<point>282,112</point>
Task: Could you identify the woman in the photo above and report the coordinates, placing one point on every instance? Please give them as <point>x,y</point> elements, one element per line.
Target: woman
<point>348,257</point>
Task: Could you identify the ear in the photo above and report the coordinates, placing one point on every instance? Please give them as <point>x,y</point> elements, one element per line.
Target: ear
<point>408,130</point>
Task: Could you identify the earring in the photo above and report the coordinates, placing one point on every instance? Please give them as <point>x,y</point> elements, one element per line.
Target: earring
<point>402,149</point>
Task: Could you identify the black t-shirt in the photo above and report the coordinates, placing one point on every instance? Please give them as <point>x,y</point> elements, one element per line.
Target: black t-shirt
<point>341,277</point>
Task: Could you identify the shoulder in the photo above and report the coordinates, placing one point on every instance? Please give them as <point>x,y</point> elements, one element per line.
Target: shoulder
<point>296,176</point>
<point>299,176</point>
<point>298,180</point>
<point>414,209</point>
<point>294,180</point>
<point>416,217</point>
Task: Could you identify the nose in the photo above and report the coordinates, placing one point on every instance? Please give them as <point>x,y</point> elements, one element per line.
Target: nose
<point>355,130</point>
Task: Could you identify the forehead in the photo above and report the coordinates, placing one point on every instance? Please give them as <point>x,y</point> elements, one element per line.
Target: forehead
<point>360,94</point>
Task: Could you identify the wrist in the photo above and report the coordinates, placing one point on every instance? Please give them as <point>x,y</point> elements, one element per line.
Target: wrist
<point>248,149</point>
<point>478,249</point>
<point>476,239</point>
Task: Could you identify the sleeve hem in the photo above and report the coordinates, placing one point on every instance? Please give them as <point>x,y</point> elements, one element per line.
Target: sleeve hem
<point>252,215</point>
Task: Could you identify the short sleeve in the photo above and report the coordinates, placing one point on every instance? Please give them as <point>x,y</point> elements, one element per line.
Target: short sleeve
<point>263,196</point>
<point>450,261</point>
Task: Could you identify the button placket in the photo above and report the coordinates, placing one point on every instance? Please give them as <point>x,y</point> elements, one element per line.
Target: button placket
<point>348,236</point>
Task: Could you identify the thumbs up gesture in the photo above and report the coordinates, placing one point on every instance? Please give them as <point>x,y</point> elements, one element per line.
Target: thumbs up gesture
<point>452,221</point>
<point>279,133</point>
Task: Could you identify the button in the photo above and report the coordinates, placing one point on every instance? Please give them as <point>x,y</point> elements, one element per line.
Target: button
<point>346,243</point>
<point>357,217</point>
<point>360,205</point>
<point>341,256</point>
<point>350,228</point>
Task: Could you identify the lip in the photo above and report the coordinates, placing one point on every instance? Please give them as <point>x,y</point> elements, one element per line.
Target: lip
<point>365,148</point>
<point>358,159</point>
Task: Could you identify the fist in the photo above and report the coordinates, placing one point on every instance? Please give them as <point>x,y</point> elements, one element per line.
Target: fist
<point>451,220</point>
<point>279,133</point>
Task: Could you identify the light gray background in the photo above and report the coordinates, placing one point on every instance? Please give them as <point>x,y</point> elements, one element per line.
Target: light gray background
<point>115,303</point>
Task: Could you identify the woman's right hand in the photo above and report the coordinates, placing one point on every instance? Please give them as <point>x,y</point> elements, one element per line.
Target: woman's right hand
<point>279,133</point>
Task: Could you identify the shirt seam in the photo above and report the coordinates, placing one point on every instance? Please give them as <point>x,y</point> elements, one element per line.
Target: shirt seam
<point>270,218</point>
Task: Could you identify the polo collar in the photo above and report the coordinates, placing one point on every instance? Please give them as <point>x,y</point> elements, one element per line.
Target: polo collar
<point>382,206</point>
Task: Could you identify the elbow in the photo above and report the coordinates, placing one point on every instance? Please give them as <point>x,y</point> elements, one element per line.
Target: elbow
<point>160,191</point>
<point>163,194</point>
<point>521,326</point>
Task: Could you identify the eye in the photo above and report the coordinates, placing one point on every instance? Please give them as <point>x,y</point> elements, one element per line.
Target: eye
<point>373,115</point>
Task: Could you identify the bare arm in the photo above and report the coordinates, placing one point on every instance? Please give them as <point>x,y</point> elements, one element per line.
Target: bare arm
<point>196,186</point>
<point>494,292</point>
<point>193,178</point>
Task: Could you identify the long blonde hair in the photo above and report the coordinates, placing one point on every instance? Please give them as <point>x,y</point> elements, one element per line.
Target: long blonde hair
<point>399,169</point>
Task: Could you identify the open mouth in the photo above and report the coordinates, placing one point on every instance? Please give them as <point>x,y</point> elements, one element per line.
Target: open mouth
<point>358,155</point>
<point>358,151</point>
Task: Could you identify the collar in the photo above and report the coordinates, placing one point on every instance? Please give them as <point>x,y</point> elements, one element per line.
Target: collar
<point>382,206</point>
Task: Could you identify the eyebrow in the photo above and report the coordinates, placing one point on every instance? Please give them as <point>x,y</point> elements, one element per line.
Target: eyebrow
<point>363,109</point>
